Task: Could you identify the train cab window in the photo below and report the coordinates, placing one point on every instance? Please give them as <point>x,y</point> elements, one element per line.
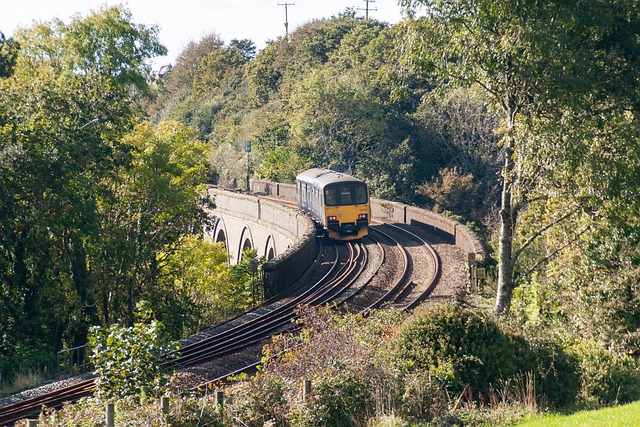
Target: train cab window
<point>345,196</point>
<point>331,196</point>
<point>361,194</point>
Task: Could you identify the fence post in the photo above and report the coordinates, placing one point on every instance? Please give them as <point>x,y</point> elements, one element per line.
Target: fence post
<point>111,414</point>
<point>473,278</point>
<point>220,397</point>
<point>164,401</point>
<point>32,423</point>
<point>306,390</point>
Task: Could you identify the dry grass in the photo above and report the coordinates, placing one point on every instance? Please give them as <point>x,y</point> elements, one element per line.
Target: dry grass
<point>23,381</point>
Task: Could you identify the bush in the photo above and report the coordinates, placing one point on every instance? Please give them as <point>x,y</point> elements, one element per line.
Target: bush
<point>338,401</point>
<point>259,401</point>
<point>467,351</point>
<point>470,344</point>
<point>606,376</point>
<point>128,361</point>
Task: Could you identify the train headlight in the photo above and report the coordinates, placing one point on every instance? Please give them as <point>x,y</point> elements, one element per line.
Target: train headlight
<point>332,218</point>
<point>362,216</point>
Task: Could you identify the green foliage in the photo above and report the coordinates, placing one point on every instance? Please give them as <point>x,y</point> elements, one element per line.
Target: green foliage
<point>129,361</point>
<point>553,115</point>
<point>198,288</point>
<point>184,70</point>
<point>158,198</point>
<point>63,112</point>
<point>245,276</point>
<point>340,401</point>
<point>335,120</point>
<point>8,55</point>
<point>469,346</point>
<point>607,377</point>
<point>106,42</point>
<point>467,352</point>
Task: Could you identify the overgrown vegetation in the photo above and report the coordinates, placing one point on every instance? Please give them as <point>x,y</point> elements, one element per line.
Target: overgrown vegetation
<point>129,361</point>
<point>445,365</point>
<point>521,117</point>
<point>99,209</point>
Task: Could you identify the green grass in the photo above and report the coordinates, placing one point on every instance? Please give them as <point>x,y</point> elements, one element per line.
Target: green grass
<point>621,416</point>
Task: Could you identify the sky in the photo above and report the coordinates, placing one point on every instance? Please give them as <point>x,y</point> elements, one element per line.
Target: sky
<point>183,21</point>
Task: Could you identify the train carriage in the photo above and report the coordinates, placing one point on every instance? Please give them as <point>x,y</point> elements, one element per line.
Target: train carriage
<point>336,201</point>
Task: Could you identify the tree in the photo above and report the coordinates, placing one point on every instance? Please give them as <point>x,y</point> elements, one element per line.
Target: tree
<point>8,55</point>
<point>335,120</point>
<point>535,61</point>
<point>63,112</point>
<point>183,74</point>
<point>158,198</point>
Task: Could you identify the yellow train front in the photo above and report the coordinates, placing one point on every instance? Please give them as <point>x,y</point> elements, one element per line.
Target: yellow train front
<point>336,201</point>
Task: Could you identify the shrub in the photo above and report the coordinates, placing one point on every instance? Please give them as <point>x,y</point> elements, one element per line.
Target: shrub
<point>259,401</point>
<point>467,351</point>
<point>338,401</point>
<point>606,376</point>
<point>128,361</point>
<point>471,345</point>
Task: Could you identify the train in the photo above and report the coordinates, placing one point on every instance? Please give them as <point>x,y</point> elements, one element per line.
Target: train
<point>338,203</point>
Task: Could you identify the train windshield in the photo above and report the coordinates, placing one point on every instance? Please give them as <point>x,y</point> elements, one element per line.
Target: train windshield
<point>345,194</point>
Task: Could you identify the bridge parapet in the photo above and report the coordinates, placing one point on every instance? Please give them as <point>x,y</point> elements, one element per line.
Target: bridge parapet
<point>461,235</point>
<point>286,267</point>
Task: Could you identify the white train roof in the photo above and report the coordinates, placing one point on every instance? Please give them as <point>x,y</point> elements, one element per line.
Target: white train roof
<point>321,177</point>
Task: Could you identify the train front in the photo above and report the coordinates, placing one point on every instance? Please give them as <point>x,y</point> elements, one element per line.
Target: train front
<point>347,211</point>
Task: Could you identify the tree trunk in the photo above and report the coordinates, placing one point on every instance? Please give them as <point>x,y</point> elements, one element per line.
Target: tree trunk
<point>505,252</point>
<point>507,215</point>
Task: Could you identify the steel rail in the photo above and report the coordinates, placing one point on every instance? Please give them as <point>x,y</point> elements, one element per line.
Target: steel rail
<point>227,342</point>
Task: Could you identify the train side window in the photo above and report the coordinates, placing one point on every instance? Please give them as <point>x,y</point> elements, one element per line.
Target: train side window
<point>330,197</point>
<point>361,194</point>
<point>345,196</point>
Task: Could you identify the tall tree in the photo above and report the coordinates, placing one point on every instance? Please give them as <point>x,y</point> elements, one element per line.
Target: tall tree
<point>534,60</point>
<point>335,120</point>
<point>8,55</point>
<point>63,112</point>
<point>158,198</point>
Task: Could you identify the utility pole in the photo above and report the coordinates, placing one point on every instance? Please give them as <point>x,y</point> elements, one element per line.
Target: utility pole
<point>247,149</point>
<point>286,17</point>
<point>366,9</point>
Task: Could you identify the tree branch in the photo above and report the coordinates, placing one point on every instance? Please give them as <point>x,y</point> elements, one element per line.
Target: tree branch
<point>538,233</point>
<point>551,255</point>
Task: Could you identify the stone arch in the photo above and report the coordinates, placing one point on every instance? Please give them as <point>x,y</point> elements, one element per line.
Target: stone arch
<point>220,233</point>
<point>270,248</point>
<point>246,242</point>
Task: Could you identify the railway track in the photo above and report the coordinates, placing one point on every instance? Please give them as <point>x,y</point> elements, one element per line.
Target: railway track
<point>396,293</point>
<point>344,268</point>
<point>343,274</point>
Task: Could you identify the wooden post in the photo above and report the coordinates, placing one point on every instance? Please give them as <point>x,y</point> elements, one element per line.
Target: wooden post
<point>164,401</point>
<point>220,397</point>
<point>111,414</point>
<point>306,390</point>
<point>473,279</point>
<point>32,423</point>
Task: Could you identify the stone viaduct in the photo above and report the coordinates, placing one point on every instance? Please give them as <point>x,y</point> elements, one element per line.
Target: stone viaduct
<point>286,236</point>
